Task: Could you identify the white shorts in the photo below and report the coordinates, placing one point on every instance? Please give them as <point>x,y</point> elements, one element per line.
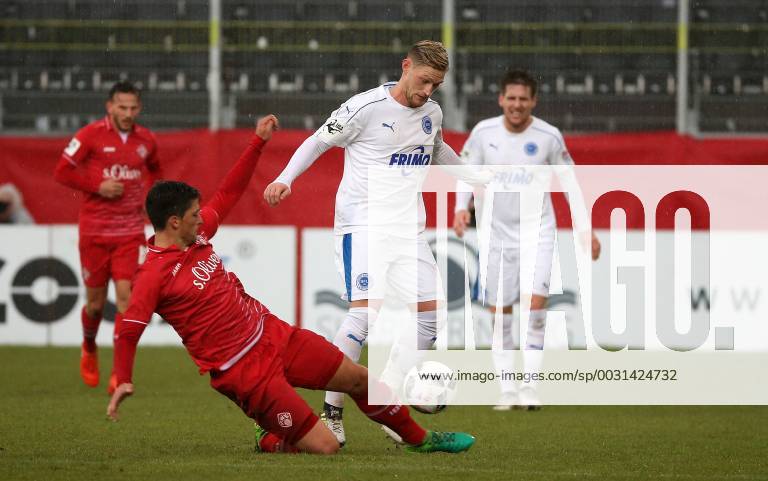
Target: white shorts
<point>504,264</point>
<point>373,265</point>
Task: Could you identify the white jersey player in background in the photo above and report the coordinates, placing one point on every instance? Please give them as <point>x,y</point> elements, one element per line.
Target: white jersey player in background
<point>515,138</point>
<point>395,125</point>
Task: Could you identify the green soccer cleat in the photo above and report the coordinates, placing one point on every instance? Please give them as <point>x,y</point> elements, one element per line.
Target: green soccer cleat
<point>259,433</point>
<point>443,442</point>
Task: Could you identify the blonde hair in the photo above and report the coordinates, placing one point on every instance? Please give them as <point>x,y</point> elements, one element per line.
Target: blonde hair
<point>429,53</point>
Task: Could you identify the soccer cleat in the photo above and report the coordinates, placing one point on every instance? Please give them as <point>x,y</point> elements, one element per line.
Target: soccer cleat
<point>443,442</point>
<point>259,433</point>
<point>335,424</point>
<point>507,401</point>
<point>392,436</point>
<point>112,384</point>
<point>529,400</point>
<point>89,366</point>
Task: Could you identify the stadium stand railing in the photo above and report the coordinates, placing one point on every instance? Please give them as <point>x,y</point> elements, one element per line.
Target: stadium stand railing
<point>602,67</point>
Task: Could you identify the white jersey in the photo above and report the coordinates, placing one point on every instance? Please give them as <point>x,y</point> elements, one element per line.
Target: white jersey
<point>491,143</point>
<point>376,130</point>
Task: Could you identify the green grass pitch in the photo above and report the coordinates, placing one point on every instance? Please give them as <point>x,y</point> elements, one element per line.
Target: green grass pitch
<point>52,427</point>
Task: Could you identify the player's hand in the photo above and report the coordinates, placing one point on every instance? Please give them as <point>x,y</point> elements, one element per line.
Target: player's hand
<point>123,391</point>
<point>595,247</point>
<point>276,192</point>
<point>460,222</point>
<point>111,189</point>
<point>266,126</point>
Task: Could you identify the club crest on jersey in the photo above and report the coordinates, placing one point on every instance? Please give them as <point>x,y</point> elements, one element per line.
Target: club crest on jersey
<point>284,420</point>
<point>334,127</point>
<point>142,151</point>
<point>426,124</point>
<point>531,148</point>
<point>362,281</point>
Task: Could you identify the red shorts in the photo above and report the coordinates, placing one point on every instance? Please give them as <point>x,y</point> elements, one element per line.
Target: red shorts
<point>102,257</point>
<point>262,382</point>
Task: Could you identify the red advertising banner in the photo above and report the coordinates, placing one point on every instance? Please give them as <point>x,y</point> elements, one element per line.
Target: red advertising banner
<point>202,158</point>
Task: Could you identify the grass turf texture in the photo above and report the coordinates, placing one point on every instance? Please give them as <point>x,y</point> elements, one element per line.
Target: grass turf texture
<point>53,427</point>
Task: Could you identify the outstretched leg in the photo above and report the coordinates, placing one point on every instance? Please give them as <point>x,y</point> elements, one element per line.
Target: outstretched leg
<point>352,379</point>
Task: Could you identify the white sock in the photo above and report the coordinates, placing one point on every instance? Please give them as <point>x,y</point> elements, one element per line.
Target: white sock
<point>533,354</point>
<point>406,353</point>
<point>426,329</point>
<point>504,352</point>
<point>349,339</point>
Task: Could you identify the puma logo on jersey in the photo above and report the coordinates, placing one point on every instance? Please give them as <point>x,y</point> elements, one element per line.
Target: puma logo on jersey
<point>493,146</point>
<point>390,127</point>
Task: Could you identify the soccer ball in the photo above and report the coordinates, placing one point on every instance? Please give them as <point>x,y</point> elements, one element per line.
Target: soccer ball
<point>430,387</point>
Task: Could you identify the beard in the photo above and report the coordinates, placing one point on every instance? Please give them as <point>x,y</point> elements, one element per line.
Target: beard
<point>122,125</point>
<point>415,100</point>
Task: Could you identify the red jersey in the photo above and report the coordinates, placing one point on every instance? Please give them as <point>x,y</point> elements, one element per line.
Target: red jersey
<point>97,153</point>
<point>206,305</point>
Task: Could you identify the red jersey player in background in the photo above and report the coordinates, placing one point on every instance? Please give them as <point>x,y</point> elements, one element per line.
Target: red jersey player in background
<point>113,161</point>
<point>253,357</point>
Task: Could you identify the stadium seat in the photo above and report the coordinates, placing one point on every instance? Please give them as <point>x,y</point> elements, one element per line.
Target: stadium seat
<point>28,80</point>
<point>575,84</point>
<point>342,83</point>
<point>9,79</point>
<point>659,83</point>
<point>747,84</point>
<point>716,84</point>
<point>55,80</point>
<point>286,82</point>
<point>167,81</point>
<point>472,85</point>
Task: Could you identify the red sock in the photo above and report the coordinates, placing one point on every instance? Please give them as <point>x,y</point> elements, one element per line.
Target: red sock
<point>118,320</point>
<point>394,416</point>
<point>270,443</point>
<point>90,329</point>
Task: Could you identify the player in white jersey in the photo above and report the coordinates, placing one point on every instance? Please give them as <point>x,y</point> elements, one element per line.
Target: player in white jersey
<point>395,125</point>
<point>515,138</point>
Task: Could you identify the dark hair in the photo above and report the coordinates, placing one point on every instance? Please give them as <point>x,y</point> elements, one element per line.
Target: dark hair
<point>124,87</point>
<point>168,198</point>
<point>518,77</point>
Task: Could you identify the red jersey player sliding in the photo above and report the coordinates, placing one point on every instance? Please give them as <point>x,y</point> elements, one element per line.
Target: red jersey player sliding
<point>253,357</point>
<point>113,161</point>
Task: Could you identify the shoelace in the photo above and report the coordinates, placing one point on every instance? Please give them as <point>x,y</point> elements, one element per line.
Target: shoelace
<point>336,427</point>
<point>440,437</point>
<point>335,424</point>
